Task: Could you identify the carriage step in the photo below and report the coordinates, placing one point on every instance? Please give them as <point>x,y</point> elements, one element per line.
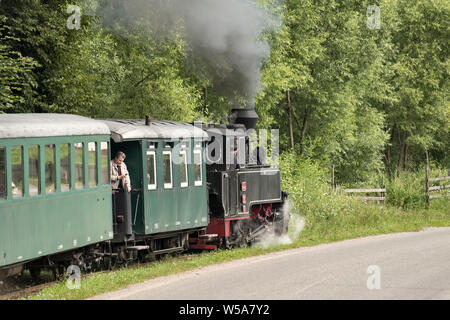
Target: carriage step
<point>208,236</point>
<point>169,250</point>
<point>138,248</point>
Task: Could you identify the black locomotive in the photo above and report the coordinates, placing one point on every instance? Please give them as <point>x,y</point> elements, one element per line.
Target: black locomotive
<point>245,196</point>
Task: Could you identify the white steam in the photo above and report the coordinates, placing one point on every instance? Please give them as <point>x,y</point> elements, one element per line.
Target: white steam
<point>296,226</point>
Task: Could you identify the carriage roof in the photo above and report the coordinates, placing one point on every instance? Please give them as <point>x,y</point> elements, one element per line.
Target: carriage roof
<point>31,125</point>
<point>158,129</point>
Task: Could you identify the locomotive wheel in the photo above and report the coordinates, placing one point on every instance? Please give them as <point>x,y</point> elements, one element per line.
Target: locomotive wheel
<point>281,222</point>
<point>58,272</point>
<point>35,273</point>
<point>241,242</point>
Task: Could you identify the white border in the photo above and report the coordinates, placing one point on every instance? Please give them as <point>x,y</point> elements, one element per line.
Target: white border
<point>184,184</point>
<point>168,185</point>
<point>198,182</point>
<point>152,186</point>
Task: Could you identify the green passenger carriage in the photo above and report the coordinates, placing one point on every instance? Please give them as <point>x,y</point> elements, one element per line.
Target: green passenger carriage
<point>55,193</point>
<point>169,197</point>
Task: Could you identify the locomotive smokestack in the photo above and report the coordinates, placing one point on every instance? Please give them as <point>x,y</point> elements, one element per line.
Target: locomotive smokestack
<point>148,120</point>
<point>246,116</point>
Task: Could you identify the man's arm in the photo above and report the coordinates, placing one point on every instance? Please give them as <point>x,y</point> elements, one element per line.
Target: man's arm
<point>126,180</point>
<point>114,175</point>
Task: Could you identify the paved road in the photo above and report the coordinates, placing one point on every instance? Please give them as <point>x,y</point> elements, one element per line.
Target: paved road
<point>411,266</point>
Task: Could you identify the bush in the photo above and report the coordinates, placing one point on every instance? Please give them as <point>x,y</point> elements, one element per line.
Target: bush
<point>408,190</point>
<point>310,193</point>
<point>326,211</point>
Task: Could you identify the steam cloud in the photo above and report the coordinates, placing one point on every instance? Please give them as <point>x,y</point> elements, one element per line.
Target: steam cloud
<point>296,226</point>
<point>223,34</point>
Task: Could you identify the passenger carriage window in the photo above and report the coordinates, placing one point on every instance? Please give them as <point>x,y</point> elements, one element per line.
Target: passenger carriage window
<point>167,167</point>
<point>183,169</point>
<point>17,171</point>
<point>79,165</point>
<point>198,167</point>
<point>50,169</point>
<point>104,154</point>
<point>34,183</point>
<point>92,152</point>
<point>3,189</point>
<point>151,170</point>
<point>65,167</point>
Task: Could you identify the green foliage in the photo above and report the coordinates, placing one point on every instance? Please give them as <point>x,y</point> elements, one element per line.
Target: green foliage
<point>362,99</point>
<point>310,193</point>
<point>367,101</point>
<point>88,85</point>
<point>311,196</point>
<point>15,72</point>
<point>407,191</point>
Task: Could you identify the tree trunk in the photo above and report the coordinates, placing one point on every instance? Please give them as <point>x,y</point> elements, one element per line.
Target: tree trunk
<point>402,142</point>
<point>205,101</point>
<point>405,155</point>
<point>304,128</point>
<point>291,131</point>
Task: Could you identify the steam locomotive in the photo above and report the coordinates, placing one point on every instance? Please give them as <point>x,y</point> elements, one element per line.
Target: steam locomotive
<point>56,207</point>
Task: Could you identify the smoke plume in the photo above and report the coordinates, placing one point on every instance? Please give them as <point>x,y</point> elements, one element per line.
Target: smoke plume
<point>224,37</point>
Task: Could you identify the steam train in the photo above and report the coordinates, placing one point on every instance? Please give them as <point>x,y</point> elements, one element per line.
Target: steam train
<point>58,208</point>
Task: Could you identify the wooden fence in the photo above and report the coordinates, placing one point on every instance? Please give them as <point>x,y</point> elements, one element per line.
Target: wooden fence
<point>434,192</point>
<point>380,197</point>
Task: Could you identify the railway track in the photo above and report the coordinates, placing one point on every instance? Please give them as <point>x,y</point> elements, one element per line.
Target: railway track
<point>22,290</point>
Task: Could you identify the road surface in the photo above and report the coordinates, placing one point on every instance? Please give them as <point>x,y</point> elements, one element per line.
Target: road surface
<point>412,265</point>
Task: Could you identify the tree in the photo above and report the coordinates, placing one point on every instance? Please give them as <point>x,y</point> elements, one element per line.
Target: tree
<point>16,81</point>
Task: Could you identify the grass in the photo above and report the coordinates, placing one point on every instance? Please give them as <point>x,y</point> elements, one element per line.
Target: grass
<point>328,217</point>
<point>370,220</point>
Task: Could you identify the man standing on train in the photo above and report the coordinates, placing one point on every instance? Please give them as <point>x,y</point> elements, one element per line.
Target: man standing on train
<point>119,173</point>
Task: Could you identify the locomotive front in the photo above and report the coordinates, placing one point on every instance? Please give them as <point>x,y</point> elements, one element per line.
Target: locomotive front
<point>245,196</point>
